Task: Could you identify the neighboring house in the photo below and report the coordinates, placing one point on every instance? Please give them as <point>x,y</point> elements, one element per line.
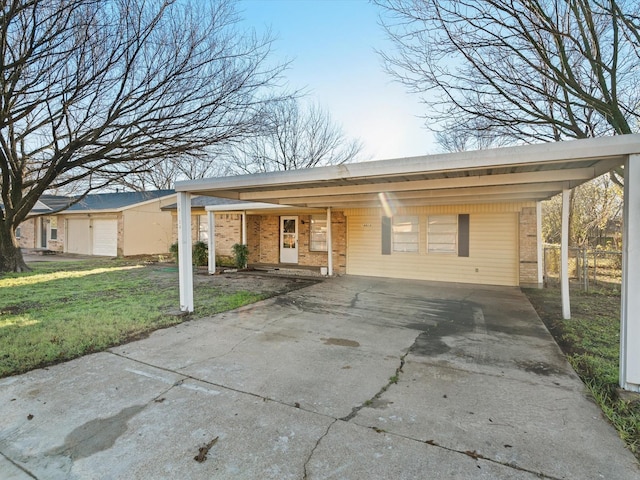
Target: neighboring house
<point>107,224</point>
<point>39,230</point>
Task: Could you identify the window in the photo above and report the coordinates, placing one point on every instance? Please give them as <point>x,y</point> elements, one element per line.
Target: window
<point>203,228</point>
<point>53,228</point>
<point>318,233</point>
<point>442,234</point>
<point>18,232</point>
<point>405,234</point>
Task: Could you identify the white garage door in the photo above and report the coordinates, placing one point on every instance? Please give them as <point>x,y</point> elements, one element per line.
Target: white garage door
<point>105,237</point>
<point>78,236</point>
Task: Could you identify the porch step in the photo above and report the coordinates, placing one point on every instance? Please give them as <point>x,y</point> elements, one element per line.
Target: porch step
<point>288,270</point>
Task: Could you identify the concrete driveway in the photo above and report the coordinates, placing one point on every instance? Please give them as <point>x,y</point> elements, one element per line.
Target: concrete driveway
<point>351,378</point>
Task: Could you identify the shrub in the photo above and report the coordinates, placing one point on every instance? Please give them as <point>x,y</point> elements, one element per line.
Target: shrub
<point>173,250</point>
<point>200,254</point>
<point>241,253</point>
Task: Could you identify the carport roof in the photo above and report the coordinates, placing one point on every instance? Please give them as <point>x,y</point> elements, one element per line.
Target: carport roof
<point>524,173</point>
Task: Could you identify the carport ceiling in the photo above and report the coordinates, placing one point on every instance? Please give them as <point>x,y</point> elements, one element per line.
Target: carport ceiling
<point>525,173</point>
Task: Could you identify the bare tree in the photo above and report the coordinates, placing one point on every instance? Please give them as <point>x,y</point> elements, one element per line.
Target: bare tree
<point>460,139</point>
<point>164,173</point>
<point>91,91</point>
<point>527,70</point>
<point>293,137</point>
<point>595,206</point>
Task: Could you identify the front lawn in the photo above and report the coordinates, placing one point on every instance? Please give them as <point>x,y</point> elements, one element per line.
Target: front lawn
<point>591,342</point>
<point>62,310</point>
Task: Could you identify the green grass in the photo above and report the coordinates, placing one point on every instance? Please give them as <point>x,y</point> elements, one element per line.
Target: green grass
<point>62,310</point>
<point>591,342</point>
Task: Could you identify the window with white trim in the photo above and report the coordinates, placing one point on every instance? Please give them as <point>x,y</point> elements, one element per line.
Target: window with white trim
<point>405,234</point>
<point>318,233</point>
<point>442,233</point>
<point>53,228</point>
<point>203,228</point>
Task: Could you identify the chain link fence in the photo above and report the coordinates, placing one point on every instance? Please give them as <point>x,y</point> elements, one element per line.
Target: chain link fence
<point>587,268</point>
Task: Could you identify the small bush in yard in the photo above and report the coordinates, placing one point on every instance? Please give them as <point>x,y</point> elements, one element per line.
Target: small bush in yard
<point>200,253</point>
<point>173,250</point>
<point>241,253</point>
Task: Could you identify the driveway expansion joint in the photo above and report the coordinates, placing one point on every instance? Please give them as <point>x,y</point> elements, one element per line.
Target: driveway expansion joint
<point>217,385</point>
<point>19,467</point>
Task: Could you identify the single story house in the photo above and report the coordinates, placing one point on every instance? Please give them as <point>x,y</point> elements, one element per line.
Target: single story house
<point>40,229</point>
<point>471,217</point>
<point>107,224</point>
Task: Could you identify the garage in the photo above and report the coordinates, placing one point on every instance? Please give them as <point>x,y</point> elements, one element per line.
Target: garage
<point>78,238</point>
<point>105,237</point>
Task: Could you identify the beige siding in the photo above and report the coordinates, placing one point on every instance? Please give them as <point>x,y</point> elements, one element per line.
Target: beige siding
<point>493,248</point>
<point>78,236</point>
<point>146,229</point>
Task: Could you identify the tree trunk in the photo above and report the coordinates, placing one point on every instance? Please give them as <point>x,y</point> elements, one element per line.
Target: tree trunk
<point>10,254</point>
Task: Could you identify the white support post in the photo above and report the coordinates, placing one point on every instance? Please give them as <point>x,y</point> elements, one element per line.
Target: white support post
<point>630,301</point>
<point>185,260</point>
<point>564,256</point>
<point>211,226</point>
<point>329,244</point>
<point>244,228</point>
<point>540,249</point>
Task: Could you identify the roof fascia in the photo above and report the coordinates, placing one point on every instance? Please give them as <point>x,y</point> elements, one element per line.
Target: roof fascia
<point>614,147</point>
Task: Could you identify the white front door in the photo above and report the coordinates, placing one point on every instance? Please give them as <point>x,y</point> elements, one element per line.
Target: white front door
<point>289,239</point>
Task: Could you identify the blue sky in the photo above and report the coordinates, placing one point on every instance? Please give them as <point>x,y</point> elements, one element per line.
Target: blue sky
<point>332,44</point>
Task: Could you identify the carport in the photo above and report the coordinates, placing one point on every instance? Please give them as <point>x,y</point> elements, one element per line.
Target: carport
<point>530,173</point>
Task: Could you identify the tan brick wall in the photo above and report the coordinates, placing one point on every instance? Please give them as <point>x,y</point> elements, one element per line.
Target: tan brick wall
<point>30,229</point>
<point>58,244</point>
<point>228,230</point>
<point>28,234</point>
<point>263,240</point>
<point>528,247</point>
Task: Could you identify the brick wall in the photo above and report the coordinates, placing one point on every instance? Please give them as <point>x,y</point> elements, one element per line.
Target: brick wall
<point>228,230</point>
<point>30,229</point>
<point>528,247</point>
<point>263,240</point>
<point>28,234</point>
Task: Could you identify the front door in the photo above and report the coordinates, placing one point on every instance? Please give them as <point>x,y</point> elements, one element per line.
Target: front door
<point>289,239</point>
